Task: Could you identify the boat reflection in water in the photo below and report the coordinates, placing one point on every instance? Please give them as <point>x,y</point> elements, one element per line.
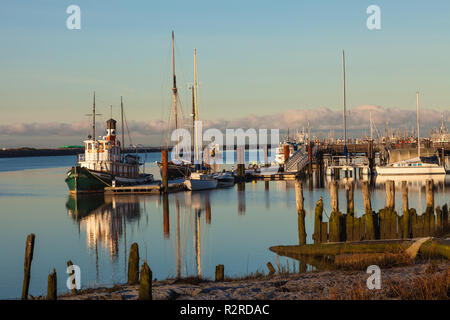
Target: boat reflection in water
<point>415,182</point>
<point>103,218</point>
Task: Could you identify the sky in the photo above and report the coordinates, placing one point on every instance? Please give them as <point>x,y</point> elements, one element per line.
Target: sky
<point>263,63</point>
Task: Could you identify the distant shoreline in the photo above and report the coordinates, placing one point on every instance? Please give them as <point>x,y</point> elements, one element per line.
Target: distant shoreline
<point>49,152</point>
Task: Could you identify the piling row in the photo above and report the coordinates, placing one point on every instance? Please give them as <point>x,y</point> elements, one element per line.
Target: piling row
<point>386,224</point>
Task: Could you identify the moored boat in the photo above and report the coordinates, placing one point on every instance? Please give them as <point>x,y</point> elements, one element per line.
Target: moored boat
<point>104,164</point>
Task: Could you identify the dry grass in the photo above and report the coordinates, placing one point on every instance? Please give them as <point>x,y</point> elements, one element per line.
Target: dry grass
<point>360,261</point>
<point>426,287</point>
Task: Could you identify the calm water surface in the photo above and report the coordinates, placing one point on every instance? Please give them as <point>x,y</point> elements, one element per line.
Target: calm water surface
<point>189,233</point>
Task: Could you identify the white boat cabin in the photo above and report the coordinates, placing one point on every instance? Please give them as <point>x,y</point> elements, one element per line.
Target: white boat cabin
<point>104,155</point>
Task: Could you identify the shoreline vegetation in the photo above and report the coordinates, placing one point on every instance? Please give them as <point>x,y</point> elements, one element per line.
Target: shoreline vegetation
<point>422,280</point>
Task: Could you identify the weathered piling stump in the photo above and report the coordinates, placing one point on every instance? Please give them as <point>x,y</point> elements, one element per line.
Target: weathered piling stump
<point>300,212</point>
<point>334,196</point>
<point>388,216</point>
<point>368,213</point>
<point>336,222</point>
<point>74,289</point>
<point>405,220</point>
<point>29,248</point>
<point>350,216</point>
<point>445,222</point>
<point>271,268</point>
<point>318,224</point>
<point>133,264</point>
<point>429,189</point>
<point>52,286</point>
<point>145,284</point>
<point>219,274</point>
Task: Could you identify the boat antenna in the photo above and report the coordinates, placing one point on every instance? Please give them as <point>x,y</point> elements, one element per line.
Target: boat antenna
<point>123,131</point>
<point>345,105</point>
<point>418,125</point>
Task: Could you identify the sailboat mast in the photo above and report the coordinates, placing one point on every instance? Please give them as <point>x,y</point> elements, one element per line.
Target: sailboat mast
<point>93,119</point>
<point>174,87</point>
<point>123,132</point>
<point>196,156</point>
<point>344,98</point>
<point>418,125</point>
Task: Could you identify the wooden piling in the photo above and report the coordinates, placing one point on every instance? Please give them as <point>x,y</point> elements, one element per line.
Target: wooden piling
<point>334,196</point>
<point>52,286</point>
<point>300,212</point>
<point>74,289</point>
<point>165,179</point>
<point>133,264</point>
<point>406,222</point>
<point>368,213</point>
<point>145,284</point>
<point>271,269</point>
<point>317,236</point>
<point>350,216</point>
<point>390,194</point>
<point>29,249</point>
<point>220,274</point>
<point>166,217</point>
<point>429,188</point>
<point>445,222</point>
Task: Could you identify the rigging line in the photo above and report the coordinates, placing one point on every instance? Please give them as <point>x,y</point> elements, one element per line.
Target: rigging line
<point>128,130</point>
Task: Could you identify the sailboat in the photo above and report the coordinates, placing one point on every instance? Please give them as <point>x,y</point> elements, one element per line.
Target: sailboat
<point>104,163</point>
<point>198,180</point>
<point>176,168</point>
<point>415,166</point>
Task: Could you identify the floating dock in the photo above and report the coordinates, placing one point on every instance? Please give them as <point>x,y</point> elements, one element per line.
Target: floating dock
<point>153,188</point>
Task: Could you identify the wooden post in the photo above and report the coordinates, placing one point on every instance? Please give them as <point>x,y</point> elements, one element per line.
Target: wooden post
<point>266,155</point>
<point>29,248</point>
<point>445,217</point>
<point>286,152</point>
<point>406,222</point>
<point>350,198</point>
<point>52,286</point>
<point>271,268</point>
<point>74,289</point>
<point>334,196</point>
<point>368,213</point>
<point>145,285</point>
<point>337,174</point>
<point>390,194</point>
<point>430,193</point>
<point>133,264</point>
<point>350,216</point>
<point>317,236</point>
<point>165,179</point>
<point>220,275</point>
<point>300,212</point>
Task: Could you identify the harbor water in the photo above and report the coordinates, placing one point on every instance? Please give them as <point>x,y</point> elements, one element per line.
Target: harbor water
<point>185,234</point>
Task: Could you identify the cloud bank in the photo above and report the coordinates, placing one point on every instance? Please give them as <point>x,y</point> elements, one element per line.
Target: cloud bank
<point>322,120</point>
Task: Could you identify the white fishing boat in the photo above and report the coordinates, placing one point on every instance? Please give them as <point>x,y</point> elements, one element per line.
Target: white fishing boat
<point>201,181</point>
<point>415,166</point>
<point>198,180</point>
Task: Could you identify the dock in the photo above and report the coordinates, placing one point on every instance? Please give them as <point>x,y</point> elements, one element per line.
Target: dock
<point>153,188</point>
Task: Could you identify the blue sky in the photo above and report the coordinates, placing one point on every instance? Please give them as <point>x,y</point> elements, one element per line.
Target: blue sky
<point>255,57</point>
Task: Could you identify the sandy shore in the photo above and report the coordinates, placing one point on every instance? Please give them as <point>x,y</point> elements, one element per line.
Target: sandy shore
<point>395,284</point>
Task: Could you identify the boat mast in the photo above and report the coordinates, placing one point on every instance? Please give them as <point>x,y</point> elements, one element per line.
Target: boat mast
<point>123,132</point>
<point>93,119</point>
<point>196,155</point>
<point>174,87</point>
<point>418,125</point>
<point>345,103</point>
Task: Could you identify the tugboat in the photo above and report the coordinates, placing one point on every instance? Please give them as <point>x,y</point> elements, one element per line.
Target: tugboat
<point>104,164</point>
